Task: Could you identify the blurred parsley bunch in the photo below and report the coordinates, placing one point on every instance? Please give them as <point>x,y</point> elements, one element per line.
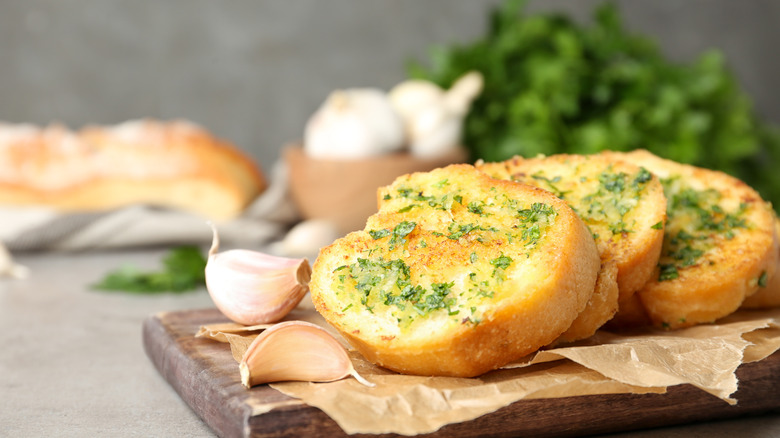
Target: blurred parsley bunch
<point>556,86</point>
<point>184,269</point>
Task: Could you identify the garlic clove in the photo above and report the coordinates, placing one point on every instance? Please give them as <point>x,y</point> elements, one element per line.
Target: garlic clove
<point>9,268</point>
<point>251,287</point>
<point>459,97</point>
<point>296,351</point>
<point>306,238</point>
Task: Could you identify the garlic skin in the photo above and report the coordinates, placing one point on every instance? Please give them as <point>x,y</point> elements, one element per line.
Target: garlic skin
<point>354,124</point>
<point>253,288</point>
<point>433,117</point>
<point>296,351</point>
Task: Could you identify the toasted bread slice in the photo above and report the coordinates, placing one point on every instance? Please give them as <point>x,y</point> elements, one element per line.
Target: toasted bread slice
<point>768,294</point>
<point>719,242</point>
<point>622,204</point>
<point>602,307</point>
<point>624,207</point>
<point>458,274</point>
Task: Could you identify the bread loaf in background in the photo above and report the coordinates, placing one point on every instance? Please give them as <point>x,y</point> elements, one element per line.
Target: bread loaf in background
<point>175,165</point>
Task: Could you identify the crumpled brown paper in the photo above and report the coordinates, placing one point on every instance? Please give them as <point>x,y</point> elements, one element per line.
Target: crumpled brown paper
<point>641,361</point>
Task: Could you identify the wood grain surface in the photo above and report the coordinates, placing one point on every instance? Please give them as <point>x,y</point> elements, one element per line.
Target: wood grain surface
<point>206,377</point>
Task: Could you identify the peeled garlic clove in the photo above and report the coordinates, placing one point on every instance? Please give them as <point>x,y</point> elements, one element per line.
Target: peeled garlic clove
<point>251,287</point>
<point>299,351</point>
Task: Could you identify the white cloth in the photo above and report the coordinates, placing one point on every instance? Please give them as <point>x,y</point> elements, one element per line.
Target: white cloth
<point>39,228</point>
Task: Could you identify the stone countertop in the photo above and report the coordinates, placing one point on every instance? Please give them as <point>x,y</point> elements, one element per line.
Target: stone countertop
<point>73,363</point>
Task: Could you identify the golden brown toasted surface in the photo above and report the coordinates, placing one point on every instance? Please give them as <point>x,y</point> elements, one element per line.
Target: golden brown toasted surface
<point>719,242</point>
<point>768,294</point>
<point>457,274</point>
<point>622,204</point>
<point>169,164</point>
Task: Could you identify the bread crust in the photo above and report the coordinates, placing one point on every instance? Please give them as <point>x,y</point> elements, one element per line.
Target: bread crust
<point>709,267</point>
<point>601,308</point>
<point>169,164</point>
<point>540,293</point>
<point>768,294</point>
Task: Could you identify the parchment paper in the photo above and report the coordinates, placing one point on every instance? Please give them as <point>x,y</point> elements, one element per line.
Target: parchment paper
<point>641,361</point>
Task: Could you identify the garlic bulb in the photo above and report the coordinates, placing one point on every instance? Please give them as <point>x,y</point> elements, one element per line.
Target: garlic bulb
<point>296,350</point>
<point>353,124</point>
<point>433,117</point>
<point>251,288</point>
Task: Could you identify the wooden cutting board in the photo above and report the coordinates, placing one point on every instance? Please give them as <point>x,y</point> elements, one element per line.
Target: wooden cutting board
<point>206,377</point>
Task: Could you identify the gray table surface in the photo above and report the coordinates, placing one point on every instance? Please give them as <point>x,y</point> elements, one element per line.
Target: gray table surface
<point>73,364</point>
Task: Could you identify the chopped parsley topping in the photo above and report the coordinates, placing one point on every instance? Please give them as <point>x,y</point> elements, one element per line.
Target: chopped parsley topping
<point>531,218</point>
<point>615,196</point>
<point>443,202</point>
<point>457,231</point>
<point>695,221</point>
<point>642,177</point>
<point>389,282</point>
<point>762,279</point>
<point>613,182</point>
<point>551,184</point>
<point>379,283</point>
<point>500,263</point>
<point>668,272</point>
<point>378,234</point>
<point>476,207</point>
<point>537,212</point>
<point>398,233</point>
<point>441,183</point>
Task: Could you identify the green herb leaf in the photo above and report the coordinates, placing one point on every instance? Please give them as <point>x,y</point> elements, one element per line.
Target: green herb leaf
<point>762,279</point>
<point>183,270</point>
<point>668,272</point>
<point>378,234</point>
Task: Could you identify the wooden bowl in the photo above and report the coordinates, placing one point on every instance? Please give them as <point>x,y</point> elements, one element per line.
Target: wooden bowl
<point>344,191</point>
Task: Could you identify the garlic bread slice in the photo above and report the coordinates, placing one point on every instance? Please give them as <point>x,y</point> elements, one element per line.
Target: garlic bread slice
<point>624,207</point>
<point>622,204</point>
<point>719,244</point>
<point>457,274</point>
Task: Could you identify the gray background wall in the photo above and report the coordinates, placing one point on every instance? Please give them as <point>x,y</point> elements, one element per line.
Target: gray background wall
<point>253,71</point>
